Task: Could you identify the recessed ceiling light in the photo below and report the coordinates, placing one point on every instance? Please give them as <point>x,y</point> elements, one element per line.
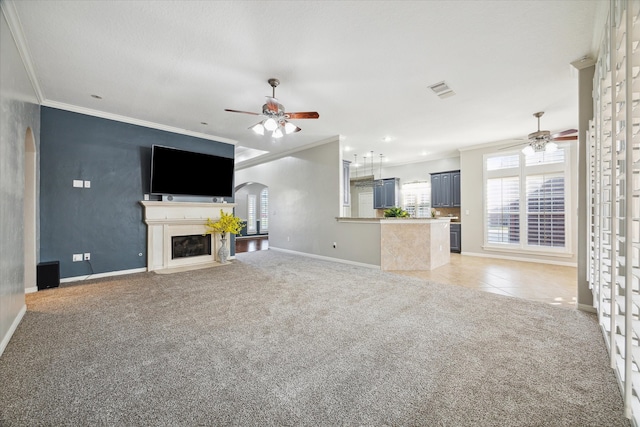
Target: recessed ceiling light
<point>387,139</point>
<point>96,96</point>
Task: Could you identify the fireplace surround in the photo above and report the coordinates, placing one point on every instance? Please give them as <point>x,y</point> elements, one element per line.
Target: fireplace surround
<point>168,219</point>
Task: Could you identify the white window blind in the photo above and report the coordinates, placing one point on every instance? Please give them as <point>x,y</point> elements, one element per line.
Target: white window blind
<point>525,201</point>
<point>503,210</point>
<point>251,214</point>
<point>545,210</point>
<point>264,210</point>
<point>416,198</point>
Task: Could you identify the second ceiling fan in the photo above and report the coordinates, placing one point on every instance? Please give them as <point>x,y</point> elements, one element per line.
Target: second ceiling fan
<point>543,140</point>
<point>277,120</point>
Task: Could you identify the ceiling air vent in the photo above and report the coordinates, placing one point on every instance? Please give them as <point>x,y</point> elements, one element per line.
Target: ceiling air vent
<point>442,89</point>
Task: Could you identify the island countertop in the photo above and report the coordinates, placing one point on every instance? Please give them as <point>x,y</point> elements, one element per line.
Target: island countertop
<point>410,243</point>
<point>396,220</point>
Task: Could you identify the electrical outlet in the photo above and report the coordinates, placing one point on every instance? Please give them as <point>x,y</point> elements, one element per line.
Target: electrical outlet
<point>87,184</point>
<point>288,239</point>
<point>87,256</point>
<point>335,245</point>
<point>77,257</point>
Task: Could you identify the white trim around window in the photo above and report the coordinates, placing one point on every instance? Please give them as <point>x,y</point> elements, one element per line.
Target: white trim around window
<point>527,202</point>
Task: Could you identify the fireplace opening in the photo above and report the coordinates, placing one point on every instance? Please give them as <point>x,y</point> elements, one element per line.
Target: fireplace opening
<point>187,246</point>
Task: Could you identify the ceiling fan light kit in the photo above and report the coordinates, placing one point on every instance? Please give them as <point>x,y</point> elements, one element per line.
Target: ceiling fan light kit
<point>543,140</point>
<point>277,121</point>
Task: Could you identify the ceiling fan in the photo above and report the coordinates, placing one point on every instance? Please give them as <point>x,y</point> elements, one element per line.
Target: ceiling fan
<point>543,140</point>
<point>277,120</point>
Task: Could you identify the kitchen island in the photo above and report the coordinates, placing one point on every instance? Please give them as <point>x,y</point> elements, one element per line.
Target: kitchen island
<point>411,243</point>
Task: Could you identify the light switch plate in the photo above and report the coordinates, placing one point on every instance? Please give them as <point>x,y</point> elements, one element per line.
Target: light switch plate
<point>77,183</point>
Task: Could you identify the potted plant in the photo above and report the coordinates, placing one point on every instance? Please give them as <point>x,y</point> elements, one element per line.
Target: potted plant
<point>395,212</point>
<point>227,223</point>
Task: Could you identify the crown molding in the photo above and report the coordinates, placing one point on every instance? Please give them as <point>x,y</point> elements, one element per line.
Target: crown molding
<point>132,121</point>
<point>275,156</point>
<point>15,27</point>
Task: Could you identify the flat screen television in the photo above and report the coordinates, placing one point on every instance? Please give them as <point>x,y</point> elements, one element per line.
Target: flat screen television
<point>180,172</point>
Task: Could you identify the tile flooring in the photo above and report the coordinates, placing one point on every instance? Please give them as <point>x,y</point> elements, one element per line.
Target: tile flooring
<point>553,284</point>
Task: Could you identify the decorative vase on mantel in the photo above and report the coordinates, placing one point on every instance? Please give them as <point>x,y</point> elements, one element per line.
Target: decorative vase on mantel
<point>223,251</point>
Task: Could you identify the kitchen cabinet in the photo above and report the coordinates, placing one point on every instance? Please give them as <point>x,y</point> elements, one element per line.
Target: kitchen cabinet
<point>455,189</point>
<point>456,237</point>
<point>385,193</point>
<point>445,189</point>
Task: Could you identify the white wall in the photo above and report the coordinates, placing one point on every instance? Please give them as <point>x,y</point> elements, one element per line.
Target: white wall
<point>421,171</point>
<point>19,112</point>
<point>472,201</point>
<point>304,201</point>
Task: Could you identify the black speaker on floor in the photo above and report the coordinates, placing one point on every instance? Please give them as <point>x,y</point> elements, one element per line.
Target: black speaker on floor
<point>48,275</point>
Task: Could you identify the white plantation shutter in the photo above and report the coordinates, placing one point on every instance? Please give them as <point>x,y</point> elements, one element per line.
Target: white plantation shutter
<point>416,199</point>
<point>264,210</point>
<point>503,210</point>
<point>251,214</point>
<point>545,210</point>
<point>526,202</point>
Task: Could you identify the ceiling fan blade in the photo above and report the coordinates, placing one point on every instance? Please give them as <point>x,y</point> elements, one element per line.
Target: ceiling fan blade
<point>566,138</point>
<point>243,112</point>
<point>272,104</point>
<point>302,115</point>
<point>564,132</point>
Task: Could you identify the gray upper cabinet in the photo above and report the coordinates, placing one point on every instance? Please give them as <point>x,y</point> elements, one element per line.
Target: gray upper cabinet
<point>445,189</point>
<point>455,189</point>
<point>386,194</point>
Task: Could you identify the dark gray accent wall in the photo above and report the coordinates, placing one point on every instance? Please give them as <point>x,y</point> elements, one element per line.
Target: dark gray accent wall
<point>106,219</point>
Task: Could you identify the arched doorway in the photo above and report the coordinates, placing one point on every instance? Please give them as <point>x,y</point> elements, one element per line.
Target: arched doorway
<point>29,216</point>
<point>252,205</point>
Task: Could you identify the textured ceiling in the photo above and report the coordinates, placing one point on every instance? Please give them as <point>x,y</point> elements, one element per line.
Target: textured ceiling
<point>365,66</point>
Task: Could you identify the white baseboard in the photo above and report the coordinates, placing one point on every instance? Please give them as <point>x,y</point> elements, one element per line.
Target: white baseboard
<point>511,258</point>
<point>99,275</point>
<point>12,329</point>
<point>586,307</point>
<point>326,258</point>
<point>31,290</point>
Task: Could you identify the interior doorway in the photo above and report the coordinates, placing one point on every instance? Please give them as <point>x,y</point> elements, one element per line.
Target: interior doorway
<point>29,215</point>
<point>252,206</point>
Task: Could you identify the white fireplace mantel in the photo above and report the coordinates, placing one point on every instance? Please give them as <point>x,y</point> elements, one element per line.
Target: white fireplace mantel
<point>167,219</point>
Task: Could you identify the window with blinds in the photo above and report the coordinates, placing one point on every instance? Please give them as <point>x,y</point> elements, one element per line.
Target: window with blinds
<point>416,199</point>
<point>264,210</point>
<point>545,210</point>
<point>503,210</point>
<point>526,203</point>
<point>251,214</point>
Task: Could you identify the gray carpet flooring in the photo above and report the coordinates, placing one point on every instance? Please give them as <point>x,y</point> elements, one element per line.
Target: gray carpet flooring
<point>279,339</point>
